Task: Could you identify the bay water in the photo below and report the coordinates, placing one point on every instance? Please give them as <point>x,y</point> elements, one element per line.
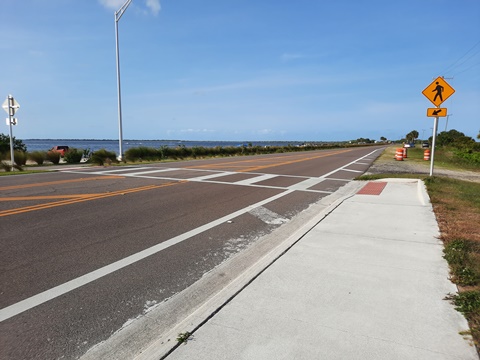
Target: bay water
<point>113,145</point>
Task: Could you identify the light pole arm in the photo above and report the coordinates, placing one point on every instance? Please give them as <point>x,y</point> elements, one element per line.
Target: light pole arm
<point>119,12</point>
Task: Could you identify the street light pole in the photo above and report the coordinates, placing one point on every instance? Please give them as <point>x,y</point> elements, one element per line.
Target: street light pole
<point>118,15</point>
<point>446,124</point>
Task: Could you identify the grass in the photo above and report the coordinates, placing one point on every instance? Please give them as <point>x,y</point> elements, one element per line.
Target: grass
<point>444,157</point>
<point>21,172</point>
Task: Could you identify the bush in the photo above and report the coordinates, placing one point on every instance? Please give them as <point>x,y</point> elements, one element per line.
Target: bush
<point>5,166</point>
<point>102,157</point>
<point>53,157</point>
<point>470,156</point>
<point>20,157</point>
<point>73,155</point>
<point>37,156</point>
<point>142,153</point>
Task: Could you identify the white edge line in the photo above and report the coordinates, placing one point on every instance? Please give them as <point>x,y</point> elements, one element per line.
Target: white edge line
<point>64,288</point>
<point>33,301</point>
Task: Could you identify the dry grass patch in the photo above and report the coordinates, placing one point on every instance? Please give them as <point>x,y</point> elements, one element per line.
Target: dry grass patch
<point>456,205</point>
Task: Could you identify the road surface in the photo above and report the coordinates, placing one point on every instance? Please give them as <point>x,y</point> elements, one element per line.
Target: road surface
<point>86,251</point>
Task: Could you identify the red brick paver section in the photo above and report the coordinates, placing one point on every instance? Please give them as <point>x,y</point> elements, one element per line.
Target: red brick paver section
<point>372,188</point>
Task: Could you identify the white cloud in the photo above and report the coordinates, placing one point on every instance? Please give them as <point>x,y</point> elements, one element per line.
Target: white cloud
<point>290,57</point>
<point>112,4</point>
<point>152,5</point>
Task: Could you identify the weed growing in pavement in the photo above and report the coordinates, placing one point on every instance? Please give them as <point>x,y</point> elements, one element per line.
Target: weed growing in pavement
<point>468,303</point>
<point>183,337</point>
<point>459,254</point>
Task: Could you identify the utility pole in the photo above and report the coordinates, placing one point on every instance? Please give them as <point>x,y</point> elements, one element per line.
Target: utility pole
<point>118,15</point>
<point>446,124</point>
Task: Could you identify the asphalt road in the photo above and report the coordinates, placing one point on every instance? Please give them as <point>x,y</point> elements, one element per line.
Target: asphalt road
<point>85,251</point>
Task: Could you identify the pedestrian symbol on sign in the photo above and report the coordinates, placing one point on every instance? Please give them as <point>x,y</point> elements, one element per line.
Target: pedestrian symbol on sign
<point>439,89</point>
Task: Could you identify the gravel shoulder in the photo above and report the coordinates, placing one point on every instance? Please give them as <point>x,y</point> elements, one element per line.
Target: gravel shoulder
<point>384,165</point>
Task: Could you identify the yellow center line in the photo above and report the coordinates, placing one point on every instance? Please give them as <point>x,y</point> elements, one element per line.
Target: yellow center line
<point>260,167</point>
<point>238,164</point>
<point>87,197</point>
<point>242,163</point>
<point>46,197</point>
<point>25,186</point>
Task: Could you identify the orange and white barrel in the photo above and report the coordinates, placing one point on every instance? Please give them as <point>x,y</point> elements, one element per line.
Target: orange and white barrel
<point>404,152</point>
<point>399,154</point>
<point>426,155</point>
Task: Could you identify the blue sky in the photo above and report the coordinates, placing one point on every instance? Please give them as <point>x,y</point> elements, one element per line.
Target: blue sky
<point>306,70</point>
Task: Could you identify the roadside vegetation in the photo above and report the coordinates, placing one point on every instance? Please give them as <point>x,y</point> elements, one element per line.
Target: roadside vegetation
<point>148,154</point>
<point>165,153</point>
<point>456,204</point>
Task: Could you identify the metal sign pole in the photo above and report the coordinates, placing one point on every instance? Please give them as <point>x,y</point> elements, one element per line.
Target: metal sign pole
<point>437,92</point>
<point>435,128</point>
<point>10,120</point>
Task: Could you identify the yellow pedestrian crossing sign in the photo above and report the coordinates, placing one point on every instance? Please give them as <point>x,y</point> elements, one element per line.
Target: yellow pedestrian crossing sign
<point>434,112</point>
<point>438,91</point>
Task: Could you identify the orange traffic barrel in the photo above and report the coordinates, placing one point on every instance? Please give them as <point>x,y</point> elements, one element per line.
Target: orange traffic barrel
<point>426,155</point>
<point>404,152</point>
<point>399,154</point>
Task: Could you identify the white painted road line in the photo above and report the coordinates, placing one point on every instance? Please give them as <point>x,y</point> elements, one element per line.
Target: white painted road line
<point>268,216</point>
<point>212,176</point>
<point>355,171</point>
<point>256,179</point>
<point>150,172</point>
<point>31,302</point>
<point>304,185</point>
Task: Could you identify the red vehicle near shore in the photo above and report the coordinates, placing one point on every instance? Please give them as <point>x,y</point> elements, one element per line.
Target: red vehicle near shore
<point>60,149</point>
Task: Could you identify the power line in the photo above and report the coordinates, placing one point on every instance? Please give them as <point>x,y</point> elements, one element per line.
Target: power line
<point>454,64</point>
<point>467,69</point>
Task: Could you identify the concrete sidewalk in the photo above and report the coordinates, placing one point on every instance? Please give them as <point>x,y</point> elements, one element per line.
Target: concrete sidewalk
<point>367,282</point>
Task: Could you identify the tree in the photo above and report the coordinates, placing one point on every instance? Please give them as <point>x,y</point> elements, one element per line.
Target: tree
<point>412,135</point>
<point>364,141</point>
<point>383,138</point>
<point>454,138</point>
<point>5,144</point>
<point>478,136</point>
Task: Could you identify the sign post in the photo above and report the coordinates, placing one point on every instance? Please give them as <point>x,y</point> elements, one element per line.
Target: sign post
<point>10,105</point>
<point>437,92</point>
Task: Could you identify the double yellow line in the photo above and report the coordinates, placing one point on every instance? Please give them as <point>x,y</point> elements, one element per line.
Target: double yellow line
<point>73,199</point>
<point>58,182</point>
<point>244,163</point>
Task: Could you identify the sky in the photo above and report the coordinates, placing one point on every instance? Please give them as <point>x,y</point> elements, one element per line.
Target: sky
<point>304,70</point>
